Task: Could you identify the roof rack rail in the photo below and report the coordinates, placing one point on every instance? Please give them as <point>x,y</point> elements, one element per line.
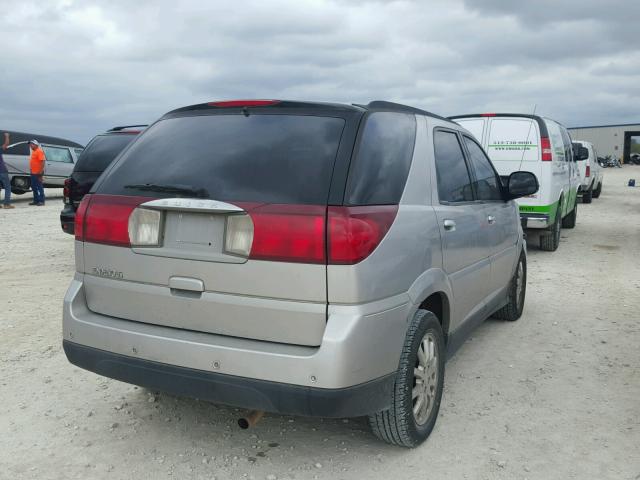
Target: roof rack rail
<point>122,127</point>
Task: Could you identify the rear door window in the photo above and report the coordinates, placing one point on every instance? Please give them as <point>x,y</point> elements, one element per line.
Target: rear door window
<point>513,139</point>
<point>57,154</point>
<point>275,158</point>
<point>101,151</point>
<point>454,182</point>
<point>487,182</point>
<point>383,157</point>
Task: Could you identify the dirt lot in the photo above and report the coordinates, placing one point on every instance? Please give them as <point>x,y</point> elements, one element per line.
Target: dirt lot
<point>554,395</point>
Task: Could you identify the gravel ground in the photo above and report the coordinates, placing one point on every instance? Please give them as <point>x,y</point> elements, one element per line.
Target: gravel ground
<point>555,395</point>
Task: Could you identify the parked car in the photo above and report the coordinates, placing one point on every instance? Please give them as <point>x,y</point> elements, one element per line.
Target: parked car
<point>590,171</point>
<point>301,258</point>
<point>61,155</point>
<point>97,156</point>
<point>543,147</point>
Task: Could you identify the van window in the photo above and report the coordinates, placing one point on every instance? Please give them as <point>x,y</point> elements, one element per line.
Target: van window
<point>557,142</point>
<point>379,171</point>
<point>454,183</point>
<point>566,140</point>
<point>57,154</point>
<point>474,125</point>
<point>267,158</point>
<point>487,183</point>
<point>513,139</point>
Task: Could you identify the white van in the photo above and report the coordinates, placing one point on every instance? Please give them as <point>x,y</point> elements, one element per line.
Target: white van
<point>543,147</point>
<point>591,174</point>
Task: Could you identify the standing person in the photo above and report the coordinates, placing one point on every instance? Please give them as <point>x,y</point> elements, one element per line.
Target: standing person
<point>4,175</point>
<point>37,171</point>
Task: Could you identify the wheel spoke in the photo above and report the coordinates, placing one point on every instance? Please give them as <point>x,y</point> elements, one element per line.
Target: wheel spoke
<point>416,391</point>
<point>422,357</point>
<point>417,406</point>
<point>419,373</point>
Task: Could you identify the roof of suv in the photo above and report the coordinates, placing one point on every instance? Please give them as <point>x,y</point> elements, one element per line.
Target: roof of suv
<point>376,105</point>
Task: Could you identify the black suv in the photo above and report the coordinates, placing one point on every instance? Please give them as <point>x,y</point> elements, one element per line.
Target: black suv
<point>94,160</point>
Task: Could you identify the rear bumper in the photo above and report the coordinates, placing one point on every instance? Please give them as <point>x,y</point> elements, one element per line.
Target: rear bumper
<point>361,345</point>
<point>232,390</point>
<point>534,220</point>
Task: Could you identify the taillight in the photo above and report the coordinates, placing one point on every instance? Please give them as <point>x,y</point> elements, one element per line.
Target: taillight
<point>66,190</point>
<point>355,232</point>
<point>545,145</point>
<point>79,218</point>
<point>243,103</point>
<point>105,219</point>
<point>588,172</point>
<point>287,233</point>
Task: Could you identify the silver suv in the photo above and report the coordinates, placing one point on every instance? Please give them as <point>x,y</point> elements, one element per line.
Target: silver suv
<point>300,258</point>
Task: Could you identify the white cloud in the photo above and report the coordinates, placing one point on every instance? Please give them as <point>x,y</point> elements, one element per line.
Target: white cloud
<point>75,68</point>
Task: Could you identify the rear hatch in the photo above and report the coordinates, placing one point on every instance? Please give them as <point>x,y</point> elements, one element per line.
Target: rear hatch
<point>214,220</point>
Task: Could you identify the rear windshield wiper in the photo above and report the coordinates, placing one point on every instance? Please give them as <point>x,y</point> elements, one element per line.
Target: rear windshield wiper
<point>177,189</point>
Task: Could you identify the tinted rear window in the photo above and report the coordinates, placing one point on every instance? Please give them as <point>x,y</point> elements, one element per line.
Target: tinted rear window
<point>259,158</point>
<point>101,151</point>
<point>381,165</point>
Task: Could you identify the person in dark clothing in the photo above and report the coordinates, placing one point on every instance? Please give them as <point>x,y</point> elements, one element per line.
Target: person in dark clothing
<point>4,176</point>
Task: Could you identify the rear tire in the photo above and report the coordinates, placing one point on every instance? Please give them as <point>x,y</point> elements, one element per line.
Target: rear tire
<point>418,386</point>
<point>549,241</point>
<point>596,192</point>
<point>512,311</point>
<point>570,220</point>
<point>586,196</point>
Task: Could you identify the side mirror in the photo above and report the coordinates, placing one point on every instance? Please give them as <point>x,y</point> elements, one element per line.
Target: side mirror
<point>521,184</point>
<point>582,153</point>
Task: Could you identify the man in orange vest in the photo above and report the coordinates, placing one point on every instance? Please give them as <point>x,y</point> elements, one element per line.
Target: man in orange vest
<point>36,165</point>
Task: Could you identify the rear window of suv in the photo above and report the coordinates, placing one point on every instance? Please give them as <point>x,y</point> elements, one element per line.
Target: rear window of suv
<point>101,151</point>
<point>258,158</point>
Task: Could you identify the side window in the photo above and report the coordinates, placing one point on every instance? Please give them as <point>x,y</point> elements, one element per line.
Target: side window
<point>380,168</point>
<point>454,183</point>
<point>56,154</point>
<point>487,181</point>
<point>568,149</point>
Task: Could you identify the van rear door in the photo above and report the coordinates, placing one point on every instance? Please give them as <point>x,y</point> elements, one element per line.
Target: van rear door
<point>240,202</point>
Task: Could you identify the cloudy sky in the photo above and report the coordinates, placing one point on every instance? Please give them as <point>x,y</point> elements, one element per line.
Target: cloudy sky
<point>75,68</point>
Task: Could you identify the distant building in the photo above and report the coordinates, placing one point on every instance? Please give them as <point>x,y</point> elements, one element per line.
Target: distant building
<point>614,140</point>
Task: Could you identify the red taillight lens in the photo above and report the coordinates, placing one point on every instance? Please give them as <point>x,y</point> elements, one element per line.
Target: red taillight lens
<point>106,219</point>
<point>66,190</point>
<point>79,218</point>
<point>588,172</point>
<point>288,233</point>
<point>545,145</point>
<point>487,114</point>
<point>243,103</point>
<point>355,232</point>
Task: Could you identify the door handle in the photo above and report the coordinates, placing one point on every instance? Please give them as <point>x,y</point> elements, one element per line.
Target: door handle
<point>491,219</point>
<point>449,225</point>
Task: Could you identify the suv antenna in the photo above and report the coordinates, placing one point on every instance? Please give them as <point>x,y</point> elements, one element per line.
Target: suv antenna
<point>524,148</point>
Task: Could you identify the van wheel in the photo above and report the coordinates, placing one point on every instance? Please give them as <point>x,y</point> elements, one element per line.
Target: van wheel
<point>570,220</point>
<point>17,191</point>
<point>597,191</point>
<point>512,311</point>
<point>418,385</point>
<point>549,241</point>
<point>586,196</point>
